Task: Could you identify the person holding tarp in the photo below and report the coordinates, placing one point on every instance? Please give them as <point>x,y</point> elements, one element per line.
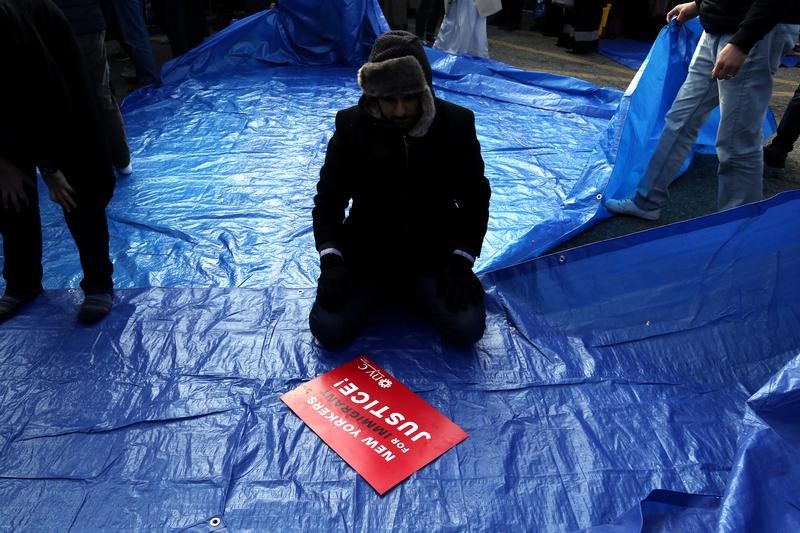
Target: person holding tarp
<point>738,53</point>
<point>50,120</point>
<point>411,164</point>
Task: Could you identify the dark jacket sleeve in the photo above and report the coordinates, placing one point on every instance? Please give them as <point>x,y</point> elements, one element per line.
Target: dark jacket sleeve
<point>334,189</point>
<point>760,19</point>
<point>34,107</point>
<point>472,192</point>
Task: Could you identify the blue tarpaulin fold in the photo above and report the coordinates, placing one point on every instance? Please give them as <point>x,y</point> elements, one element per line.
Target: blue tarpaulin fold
<point>227,152</point>
<point>608,391</point>
<point>606,372</point>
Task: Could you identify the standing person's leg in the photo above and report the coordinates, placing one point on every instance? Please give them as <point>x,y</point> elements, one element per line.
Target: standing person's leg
<point>464,327</point>
<point>130,16</point>
<point>434,20</point>
<point>788,131</point>
<point>22,245</point>
<point>424,13</point>
<point>196,26</point>
<point>88,225</point>
<point>172,16</point>
<point>396,13</point>
<point>553,19</point>
<point>566,37</point>
<point>513,14</point>
<point>588,14</point>
<point>744,100</point>
<point>93,51</point>
<point>697,97</point>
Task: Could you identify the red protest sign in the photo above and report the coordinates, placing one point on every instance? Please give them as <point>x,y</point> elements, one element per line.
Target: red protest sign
<point>375,423</point>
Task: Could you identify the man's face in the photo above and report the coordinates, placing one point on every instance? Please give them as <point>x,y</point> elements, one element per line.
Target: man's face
<point>402,111</point>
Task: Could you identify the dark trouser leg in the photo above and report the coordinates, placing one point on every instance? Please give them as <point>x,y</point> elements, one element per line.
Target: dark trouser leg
<point>197,29</point>
<point>424,13</point>
<point>93,50</point>
<point>586,22</point>
<point>89,228</point>
<point>174,22</point>
<point>789,128</point>
<point>130,15</point>
<point>22,247</point>
<point>463,328</point>
<point>335,329</point>
<point>512,10</point>
<point>553,19</point>
<point>435,20</point>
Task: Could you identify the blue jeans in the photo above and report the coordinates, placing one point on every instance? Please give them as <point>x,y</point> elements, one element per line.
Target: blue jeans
<point>336,329</point>
<point>133,27</point>
<point>743,102</point>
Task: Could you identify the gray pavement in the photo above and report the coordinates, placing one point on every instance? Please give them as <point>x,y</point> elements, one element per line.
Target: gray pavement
<point>693,195</point>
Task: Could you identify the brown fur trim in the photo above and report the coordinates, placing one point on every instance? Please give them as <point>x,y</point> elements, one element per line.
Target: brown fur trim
<point>428,113</point>
<point>393,77</point>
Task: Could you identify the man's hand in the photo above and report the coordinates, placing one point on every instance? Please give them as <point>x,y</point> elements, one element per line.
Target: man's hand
<point>61,192</point>
<point>683,12</point>
<point>458,285</point>
<point>729,61</point>
<point>12,186</point>
<point>335,286</point>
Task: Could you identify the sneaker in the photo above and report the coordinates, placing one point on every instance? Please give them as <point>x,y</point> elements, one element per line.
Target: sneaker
<point>124,171</point>
<point>10,305</point>
<point>629,207</point>
<point>95,307</point>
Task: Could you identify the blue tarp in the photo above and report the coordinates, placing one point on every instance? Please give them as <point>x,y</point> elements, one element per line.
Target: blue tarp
<point>607,372</point>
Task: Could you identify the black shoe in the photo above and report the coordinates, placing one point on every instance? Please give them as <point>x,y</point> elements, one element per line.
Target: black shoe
<point>565,41</point>
<point>581,47</point>
<point>11,305</point>
<point>774,158</point>
<point>95,307</point>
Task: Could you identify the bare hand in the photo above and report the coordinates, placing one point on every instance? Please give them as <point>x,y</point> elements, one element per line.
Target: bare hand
<point>683,12</point>
<point>729,61</point>
<point>61,192</point>
<point>12,186</point>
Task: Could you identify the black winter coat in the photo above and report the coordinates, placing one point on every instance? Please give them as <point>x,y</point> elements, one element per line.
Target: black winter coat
<point>414,200</point>
<point>48,115</point>
<point>748,20</point>
<point>84,16</point>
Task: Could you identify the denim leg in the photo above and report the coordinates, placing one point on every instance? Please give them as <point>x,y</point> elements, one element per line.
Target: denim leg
<point>463,328</point>
<point>134,31</point>
<point>743,105</point>
<point>697,97</point>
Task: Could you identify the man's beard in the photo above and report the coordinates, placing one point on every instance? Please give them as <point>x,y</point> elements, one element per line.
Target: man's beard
<point>404,123</point>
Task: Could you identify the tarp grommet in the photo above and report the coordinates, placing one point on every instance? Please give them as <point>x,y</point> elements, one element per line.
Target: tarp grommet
<point>562,258</point>
<point>214,522</point>
<point>599,196</point>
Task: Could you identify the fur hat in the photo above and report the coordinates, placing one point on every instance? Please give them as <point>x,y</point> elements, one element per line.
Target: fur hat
<point>398,66</point>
